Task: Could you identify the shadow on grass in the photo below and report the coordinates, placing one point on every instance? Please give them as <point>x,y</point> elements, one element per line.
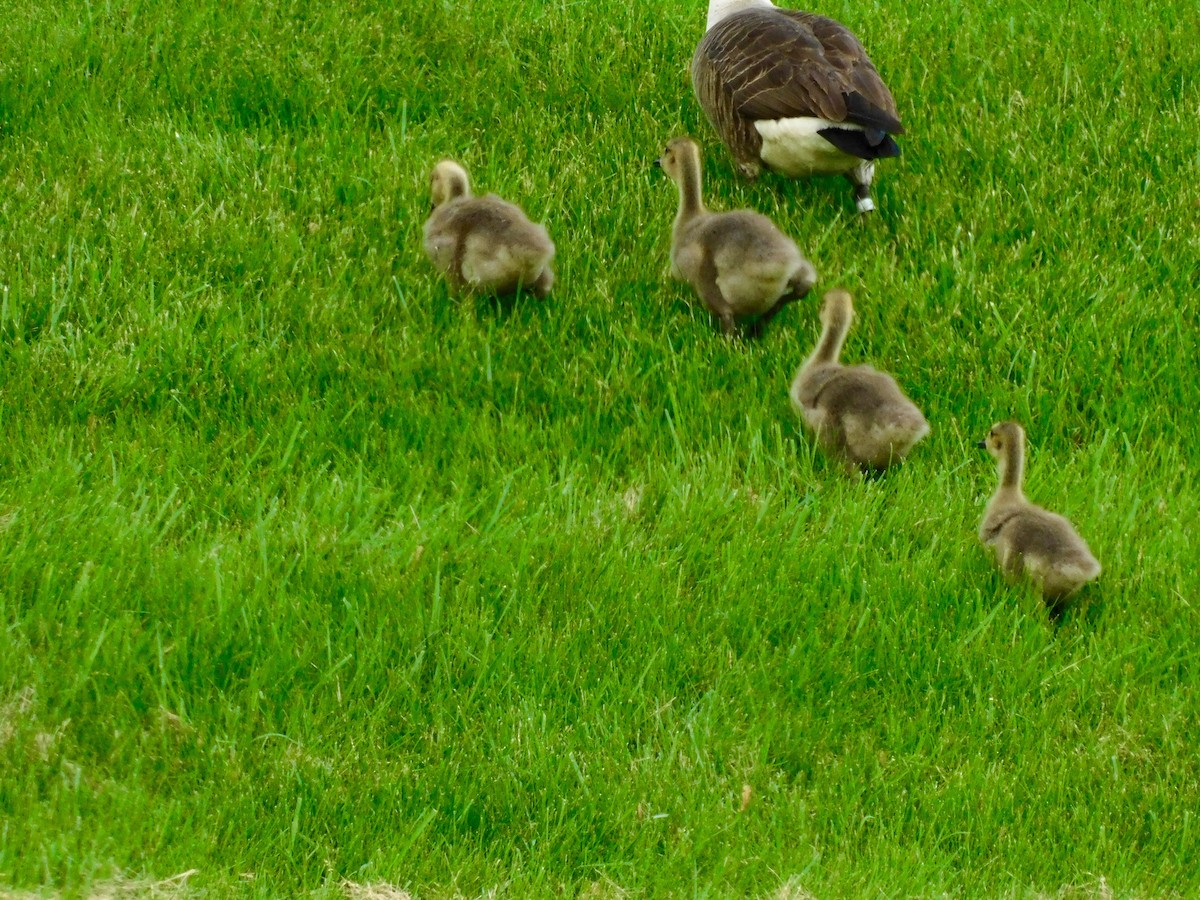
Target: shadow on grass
<point>1084,608</point>
<point>520,306</point>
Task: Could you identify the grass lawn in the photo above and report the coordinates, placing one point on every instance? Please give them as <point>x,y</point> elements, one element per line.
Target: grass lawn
<point>314,576</point>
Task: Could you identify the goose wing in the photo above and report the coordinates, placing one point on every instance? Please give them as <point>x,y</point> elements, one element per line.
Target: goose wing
<point>778,64</point>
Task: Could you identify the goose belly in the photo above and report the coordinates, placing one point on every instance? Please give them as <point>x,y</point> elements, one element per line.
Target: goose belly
<point>792,147</point>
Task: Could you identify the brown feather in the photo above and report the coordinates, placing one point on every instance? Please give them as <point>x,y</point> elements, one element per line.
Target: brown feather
<point>779,64</point>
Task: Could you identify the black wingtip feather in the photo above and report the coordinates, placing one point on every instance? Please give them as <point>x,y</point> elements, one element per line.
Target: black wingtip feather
<point>871,144</point>
<point>862,111</point>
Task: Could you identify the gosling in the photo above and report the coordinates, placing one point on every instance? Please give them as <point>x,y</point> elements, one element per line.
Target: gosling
<point>859,415</point>
<point>739,263</point>
<point>484,244</point>
<point>1027,539</point>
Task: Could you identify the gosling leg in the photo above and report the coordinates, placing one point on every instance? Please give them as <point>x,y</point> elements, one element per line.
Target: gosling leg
<point>760,325</point>
<point>798,288</point>
<point>710,292</point>
<point>455,272</point>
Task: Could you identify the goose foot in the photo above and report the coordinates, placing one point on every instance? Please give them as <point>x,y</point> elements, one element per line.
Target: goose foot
<point>860,176</point>
<point>750,170</point>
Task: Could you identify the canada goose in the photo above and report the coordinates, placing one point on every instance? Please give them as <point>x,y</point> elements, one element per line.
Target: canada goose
<point>739,263</point>
<point>484,243</point>
<point>1026,538</point>
<point>859,415</point>
<point>795,92</point>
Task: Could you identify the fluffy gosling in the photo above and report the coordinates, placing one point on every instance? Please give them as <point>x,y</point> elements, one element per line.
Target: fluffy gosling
<point>859,415</point>
<point>739,263</point>
<point>1027,539</point>
<point>484,243</point>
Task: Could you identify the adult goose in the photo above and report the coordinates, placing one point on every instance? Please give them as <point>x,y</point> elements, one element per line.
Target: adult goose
<point>795,92</point>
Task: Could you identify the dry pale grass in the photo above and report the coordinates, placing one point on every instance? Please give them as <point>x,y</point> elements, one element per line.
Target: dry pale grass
<point>1094,890</point>
<point>792,890</point>
<point>13,710</point>
<point>119,888</point>
<point>604,889</point>
<point>377,891</point>
<point>1097,891</point>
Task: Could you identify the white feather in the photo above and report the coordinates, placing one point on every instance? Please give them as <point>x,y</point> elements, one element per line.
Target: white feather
<point>720,9</point>
<point>792,147</point>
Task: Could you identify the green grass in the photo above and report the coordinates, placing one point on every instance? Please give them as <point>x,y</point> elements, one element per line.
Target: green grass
<point>312,571</point>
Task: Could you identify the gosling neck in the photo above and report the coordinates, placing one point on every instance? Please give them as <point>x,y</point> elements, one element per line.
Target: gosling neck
<point>690,202</point>
<point>833,335</point>
<point>1012,469</point>
<point>720,9</point>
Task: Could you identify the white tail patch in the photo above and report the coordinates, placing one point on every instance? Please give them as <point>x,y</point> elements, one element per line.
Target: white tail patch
<point>793,147</point>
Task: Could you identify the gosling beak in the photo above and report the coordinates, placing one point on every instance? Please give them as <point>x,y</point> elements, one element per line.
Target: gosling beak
<point>982,445</point>
<point>657,164</point>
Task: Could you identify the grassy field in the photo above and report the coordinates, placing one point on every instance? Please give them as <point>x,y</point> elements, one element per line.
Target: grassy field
<point>313,576</point>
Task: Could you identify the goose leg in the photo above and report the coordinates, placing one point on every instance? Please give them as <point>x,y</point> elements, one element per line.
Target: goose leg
<point>759,327</point>
<point>853,469</point>
<point>761,323</point>
<point>455,272</point>
<point>715,301</point>
<point>750,170</point>
<point>831,438</point>
<point>798,289</point>
<point>710,292</point>
<point>860,176</point>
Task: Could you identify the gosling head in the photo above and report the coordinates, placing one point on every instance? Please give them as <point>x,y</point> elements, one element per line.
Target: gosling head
<point>681,153</point>
<point>838,309</point>
<point>1001,438</point>
<point>448,182</point>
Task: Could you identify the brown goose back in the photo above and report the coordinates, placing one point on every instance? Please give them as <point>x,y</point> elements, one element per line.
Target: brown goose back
<point>767,64</point>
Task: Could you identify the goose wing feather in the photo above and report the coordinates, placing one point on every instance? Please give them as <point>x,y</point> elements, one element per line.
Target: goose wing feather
<point>777,63</point>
